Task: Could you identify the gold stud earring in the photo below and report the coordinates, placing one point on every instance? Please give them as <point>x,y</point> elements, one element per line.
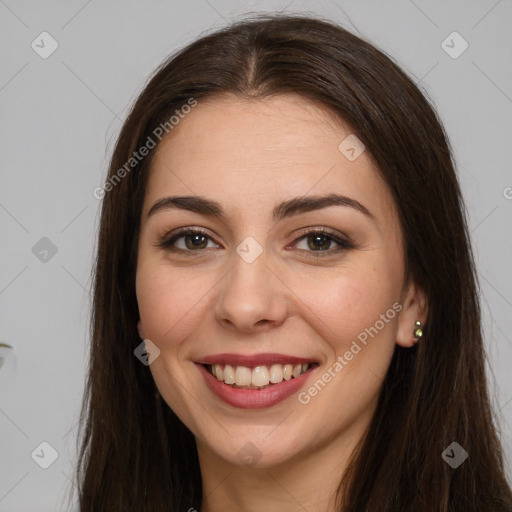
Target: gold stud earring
<point>418,331</point>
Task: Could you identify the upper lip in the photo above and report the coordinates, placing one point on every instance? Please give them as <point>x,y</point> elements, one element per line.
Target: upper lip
<point>252,360</point>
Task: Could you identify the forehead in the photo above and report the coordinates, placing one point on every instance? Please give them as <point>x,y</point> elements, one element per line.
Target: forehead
<point>239,151</point>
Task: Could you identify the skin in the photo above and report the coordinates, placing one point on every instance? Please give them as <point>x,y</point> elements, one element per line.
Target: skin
<point>250,155</point>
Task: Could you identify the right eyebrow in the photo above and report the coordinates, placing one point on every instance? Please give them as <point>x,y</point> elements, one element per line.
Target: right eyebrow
<point>195,204</point>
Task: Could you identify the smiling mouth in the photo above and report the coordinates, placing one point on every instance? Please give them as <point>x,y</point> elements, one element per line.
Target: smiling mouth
<point>257,377</point>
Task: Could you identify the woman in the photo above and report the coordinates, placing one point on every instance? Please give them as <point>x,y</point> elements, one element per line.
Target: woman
<point>285,308</point>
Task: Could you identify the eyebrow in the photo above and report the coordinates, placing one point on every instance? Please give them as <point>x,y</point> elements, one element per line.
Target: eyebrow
<point>283,210</point>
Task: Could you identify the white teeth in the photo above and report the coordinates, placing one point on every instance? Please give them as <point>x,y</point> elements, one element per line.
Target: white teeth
<point>243,376</point>
<point>276,373</point>
<point>287,371</point>
<point>229,374</point>
<point>259,376</point>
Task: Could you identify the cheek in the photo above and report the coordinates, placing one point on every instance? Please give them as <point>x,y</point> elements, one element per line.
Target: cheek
<point>356,316</point>
<point>350,302</point>
<point>171,307</point>
<point>170,302</point>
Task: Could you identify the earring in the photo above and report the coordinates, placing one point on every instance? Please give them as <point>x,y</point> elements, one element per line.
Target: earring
<point>418,331</point>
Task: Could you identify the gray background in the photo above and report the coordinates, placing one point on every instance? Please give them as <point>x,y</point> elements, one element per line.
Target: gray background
<point>60,116</point>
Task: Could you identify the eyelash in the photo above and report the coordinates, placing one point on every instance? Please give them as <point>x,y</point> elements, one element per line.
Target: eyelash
<point>343,244</point>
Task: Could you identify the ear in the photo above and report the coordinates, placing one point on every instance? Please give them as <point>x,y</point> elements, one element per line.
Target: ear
<point>414,308</point>
<point>141,331</point>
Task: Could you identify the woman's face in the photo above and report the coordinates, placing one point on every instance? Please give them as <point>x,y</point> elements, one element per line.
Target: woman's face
<point>299,260</point>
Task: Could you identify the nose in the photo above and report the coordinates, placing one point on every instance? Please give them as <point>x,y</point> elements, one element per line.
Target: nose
<point>252,298</point>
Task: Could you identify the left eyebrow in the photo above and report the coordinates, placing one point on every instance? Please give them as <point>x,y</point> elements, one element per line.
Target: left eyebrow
<point>309,203</point>
<point>283,210</point>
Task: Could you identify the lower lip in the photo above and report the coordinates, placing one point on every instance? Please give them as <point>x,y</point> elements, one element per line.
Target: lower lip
<point>254,398</point>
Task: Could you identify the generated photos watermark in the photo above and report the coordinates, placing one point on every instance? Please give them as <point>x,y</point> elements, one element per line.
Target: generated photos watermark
<point>143,151</point>
<point>343,360</point>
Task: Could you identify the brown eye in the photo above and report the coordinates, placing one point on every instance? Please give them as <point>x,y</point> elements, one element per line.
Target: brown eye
<point>187,240</point>
<point>319,242</point>
<point>195,241</point>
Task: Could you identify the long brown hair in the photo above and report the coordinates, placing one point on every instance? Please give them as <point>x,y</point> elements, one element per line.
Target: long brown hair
<point>135,454</point>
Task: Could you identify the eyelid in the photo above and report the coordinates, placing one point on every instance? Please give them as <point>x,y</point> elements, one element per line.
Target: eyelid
<point>343,241</point>
<point>167,239</point>
<point>312,230</point>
